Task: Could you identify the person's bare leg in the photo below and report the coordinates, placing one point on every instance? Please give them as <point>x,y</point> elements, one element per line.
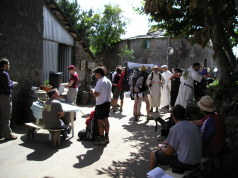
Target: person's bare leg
<point>152,160</point>
<point>101,127</point>
<point>122,102</point>
<point>135,106</point>
<point>107,125</point>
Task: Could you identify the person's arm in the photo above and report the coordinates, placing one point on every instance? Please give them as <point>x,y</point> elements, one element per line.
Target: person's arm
<point>166,149</point>
<point>95,93</point>
<point>60,114</point>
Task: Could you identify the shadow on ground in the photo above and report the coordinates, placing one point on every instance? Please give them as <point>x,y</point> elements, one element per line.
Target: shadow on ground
<point>138,164</point>
<point>43,148</point>
<point>91,156</point>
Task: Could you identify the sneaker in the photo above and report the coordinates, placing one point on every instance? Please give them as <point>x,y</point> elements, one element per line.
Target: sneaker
<point>114,109</point>
<point>151,109</point>
<point>64,135</point>
<point>11,137</point>
<point>68,129</point>
<point>120,110</point>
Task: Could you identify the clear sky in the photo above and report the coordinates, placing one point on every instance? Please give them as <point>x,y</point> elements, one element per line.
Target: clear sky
<point>138,24</point>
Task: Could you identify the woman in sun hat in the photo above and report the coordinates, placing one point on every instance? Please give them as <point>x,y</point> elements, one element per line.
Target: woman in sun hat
<point>211,127</point>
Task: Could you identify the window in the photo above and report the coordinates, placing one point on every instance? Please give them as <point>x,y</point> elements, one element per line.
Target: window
<point>146,44</point>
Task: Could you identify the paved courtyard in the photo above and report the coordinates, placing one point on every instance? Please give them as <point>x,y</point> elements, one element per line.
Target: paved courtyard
<point>126,155</point>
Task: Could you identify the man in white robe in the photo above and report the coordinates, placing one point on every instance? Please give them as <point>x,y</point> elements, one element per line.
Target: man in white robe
<point>165,93</point>
<point>186,88</point>
<point>154,82</point>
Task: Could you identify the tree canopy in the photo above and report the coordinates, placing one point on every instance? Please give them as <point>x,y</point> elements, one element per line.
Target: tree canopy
<point>201,21</point>
<point>100,30</point>
<point>108,30</point>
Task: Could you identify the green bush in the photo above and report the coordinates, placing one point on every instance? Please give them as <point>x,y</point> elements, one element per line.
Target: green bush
<point>214,89</point>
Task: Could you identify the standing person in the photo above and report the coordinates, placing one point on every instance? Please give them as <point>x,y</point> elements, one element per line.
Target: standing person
<point>117,89</point>
<point>175,83</point>
<point>102,93</point>
<point>6,86</point>
<point>72,85</point>
<point>53,113</point>
<point>186,88</point>
<point>183,148</point>
<point>165,93</point>
<point>143,75</point>
<point>155,82</point>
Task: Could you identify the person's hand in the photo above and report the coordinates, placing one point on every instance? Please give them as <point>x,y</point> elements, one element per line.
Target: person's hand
<point>92,90</point>
<point>15,84</point>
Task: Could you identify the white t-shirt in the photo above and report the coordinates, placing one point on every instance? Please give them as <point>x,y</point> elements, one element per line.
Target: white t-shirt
<point>104,88</point>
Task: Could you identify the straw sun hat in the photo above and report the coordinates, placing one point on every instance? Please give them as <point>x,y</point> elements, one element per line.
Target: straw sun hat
<point>206,103</point>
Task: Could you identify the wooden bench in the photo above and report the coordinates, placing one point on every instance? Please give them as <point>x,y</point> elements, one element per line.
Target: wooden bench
<point>54,134</point>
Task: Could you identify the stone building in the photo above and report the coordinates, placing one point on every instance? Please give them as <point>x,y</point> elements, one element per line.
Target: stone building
<point>153,49</point>
<point>37,38</point>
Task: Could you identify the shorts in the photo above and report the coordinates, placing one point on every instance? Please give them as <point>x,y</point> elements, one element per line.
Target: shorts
<point>117,93</point>
<point>102,111</point>
<point>172,161</point>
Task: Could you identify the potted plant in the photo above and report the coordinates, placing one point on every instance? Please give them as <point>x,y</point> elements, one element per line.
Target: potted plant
<point>46,87</point>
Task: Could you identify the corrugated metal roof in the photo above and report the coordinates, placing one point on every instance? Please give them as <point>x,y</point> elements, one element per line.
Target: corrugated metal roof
<point>62,18</point>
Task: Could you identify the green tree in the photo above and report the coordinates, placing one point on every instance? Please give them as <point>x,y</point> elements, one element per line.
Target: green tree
<point>71,10</point>
<point>201,21</point>
<point>82,21</point>
<point>108,30</point>
<point>126,54</point>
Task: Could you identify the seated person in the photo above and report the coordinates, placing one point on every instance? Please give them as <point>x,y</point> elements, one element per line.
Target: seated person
<point>182,149</point>
<point>53,113</point>
<point>211,127</point>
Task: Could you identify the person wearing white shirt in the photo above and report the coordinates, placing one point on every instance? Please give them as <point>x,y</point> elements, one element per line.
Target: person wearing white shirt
<point>102,93</point>
<point>186,88</point>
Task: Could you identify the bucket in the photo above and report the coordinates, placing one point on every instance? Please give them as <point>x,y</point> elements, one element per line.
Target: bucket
<point>82,98</point>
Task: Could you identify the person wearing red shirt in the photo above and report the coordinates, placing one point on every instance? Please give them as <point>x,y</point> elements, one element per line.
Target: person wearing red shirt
<point>72,85</point>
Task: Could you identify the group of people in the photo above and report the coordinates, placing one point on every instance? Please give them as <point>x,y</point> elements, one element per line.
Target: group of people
<point>188,141</point>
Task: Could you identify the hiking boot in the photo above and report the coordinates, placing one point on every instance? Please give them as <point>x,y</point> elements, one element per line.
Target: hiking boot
<point>136,118</point>
<point>157,110</point>
<point>101,141</point>
<point>10,137</point>
<point>114,109</point>
<point>107,140</point>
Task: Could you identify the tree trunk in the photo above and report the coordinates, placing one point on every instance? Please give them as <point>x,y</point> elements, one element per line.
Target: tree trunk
<point>217,40</point>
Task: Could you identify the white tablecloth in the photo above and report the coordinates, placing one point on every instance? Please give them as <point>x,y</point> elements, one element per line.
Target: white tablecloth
<point>37,109</point>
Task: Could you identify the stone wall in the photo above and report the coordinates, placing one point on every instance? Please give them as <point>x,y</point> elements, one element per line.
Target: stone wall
<point>184,55</point>
<point>21,42</point>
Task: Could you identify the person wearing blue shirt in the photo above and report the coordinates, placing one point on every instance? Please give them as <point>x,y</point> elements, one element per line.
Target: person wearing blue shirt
<point>6,86</point>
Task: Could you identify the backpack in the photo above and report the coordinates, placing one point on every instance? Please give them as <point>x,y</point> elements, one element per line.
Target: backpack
<point>135,82</point>
<point>92,130</point>
<point>152,76</point>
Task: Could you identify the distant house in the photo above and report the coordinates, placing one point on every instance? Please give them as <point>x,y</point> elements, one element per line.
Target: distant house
<point>37,38</point>
<point>153,48</point>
